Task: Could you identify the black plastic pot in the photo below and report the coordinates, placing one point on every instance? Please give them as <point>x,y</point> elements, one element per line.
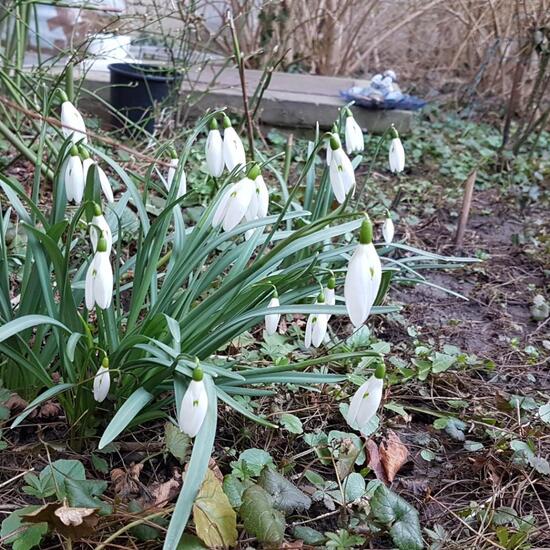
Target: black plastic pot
<point>137,88</point>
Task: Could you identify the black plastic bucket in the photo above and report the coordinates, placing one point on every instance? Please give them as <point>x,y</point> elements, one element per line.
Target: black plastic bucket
<point>136,88</point>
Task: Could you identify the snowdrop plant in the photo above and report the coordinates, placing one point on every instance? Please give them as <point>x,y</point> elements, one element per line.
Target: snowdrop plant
<point>214,150</point>
<point>363,277</point>
<point>74,177</point>
<point>397,153</point>
<point>355,142</point>
<point>342,175</point>
<point>366,400</point>
<point>177,291</point>
<point>72,123</point>
<point>233,148</point>
<point>388,228</point>
<point>316,326</point>
<point>102,381</point>
<point>176,176</point>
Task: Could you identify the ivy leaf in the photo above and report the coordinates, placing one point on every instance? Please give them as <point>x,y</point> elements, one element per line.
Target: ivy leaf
<point>291,423</point>
<point>234,488</point>
<point>354,486</point>
<point>175,441</point>
<point>286,496</point>
<point>441,362</point>
<point>29,536</point>
<point>400,516</point>
<point>260,518</point>
<point>544,413</point>
<point>310,536</point>
<point>215,520</point>
<point>255,460</point>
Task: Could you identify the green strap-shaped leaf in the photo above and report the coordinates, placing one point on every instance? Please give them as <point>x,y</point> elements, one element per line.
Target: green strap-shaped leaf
<point>125,415</point>
<point>27,321</point>
<point>48,394</point>
<point>202,449</point>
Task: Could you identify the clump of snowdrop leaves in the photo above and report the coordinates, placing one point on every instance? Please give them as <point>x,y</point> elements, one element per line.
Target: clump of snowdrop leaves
<point>102,381</point>
<point>72,123</point>
<point>366,400</point>
<point>214,150</point>
<point>244,198</point>
<point>363,277</point>
<point>355,142</point>
<point>181,182</point>
<point>74,177</point>
<point>233,148</point>
<point>194,405</point>
<point>342,176</point>
<point>388,228</point>
<point>397,153</point>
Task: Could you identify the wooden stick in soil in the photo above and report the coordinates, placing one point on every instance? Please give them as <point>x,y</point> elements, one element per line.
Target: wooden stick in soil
<point>466,205</point>
<point>240,64</point>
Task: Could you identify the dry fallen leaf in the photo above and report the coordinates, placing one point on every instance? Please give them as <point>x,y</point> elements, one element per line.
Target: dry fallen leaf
<point>15,403</point>
<point>126,482</point>
<point>50,410</point>
<point>160,494</point>
<point>213,465</point>
<point>73,516</point>
<point>393,454</point>
<point>374,461</point>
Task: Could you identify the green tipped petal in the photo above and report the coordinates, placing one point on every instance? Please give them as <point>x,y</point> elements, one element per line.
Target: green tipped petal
<point>365,233</point>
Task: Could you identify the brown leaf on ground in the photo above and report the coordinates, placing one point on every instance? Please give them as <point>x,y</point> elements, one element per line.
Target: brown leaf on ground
<point>73,523</point>
<point>393,454</point>
<point>15,403</point>
<point>294,545</point>
<point>374,461</point>
<point>160,494</point>
<point>126,482</point>
<point>50,410</point>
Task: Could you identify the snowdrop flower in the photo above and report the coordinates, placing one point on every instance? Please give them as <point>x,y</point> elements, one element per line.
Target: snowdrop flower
<point>214,150</point>
<point>74,177</point>
<point>355,142</point>
<point>235,201</point>
<point>182,183</point>
<point>366,400</point>
<point>272,320</point>
<point>397,153</point>
<point>259,203</point>
<point>334,134</point>
<point>233,149</point>
<point>87,163</point>
<point>388,229</point>
<point>316,326</point>
<point>193,405</point>
<point>99,278</point>
<point>98,228</point>
<point>363,277</point>
<point>342,176</point>
<point>72,122</point>
<point>102,381</point>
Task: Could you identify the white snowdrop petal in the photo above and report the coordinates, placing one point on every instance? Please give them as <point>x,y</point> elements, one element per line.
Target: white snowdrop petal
<point>194,406</point>
<point>89,286</point>
<point>319,330</point>
<point>102,383</point>
<point>103,281</point>
<point>99,225</point>
<point>311,320</point>
<point>388,230</point>
<point>214,153</point>
<point>73,125</point>
<point>272,320</point>
<point>396,156</point>
<point>221,209</point>
<point>105,185</point>
<point>233,149</point>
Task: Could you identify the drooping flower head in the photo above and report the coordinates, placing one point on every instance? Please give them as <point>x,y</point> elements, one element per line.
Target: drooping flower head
<point>194,405</point>
<point>397,153</point>
<point>363,277</point>
<point>355,142</point>
<point>102,381</point>
<point>233,149</point>
<point>87,163</point>
<point>99,278</point>
<point>316,326</point>
<point>74,177</point>
<point>366,400</point>
<point>214,150</point>
<point>259,203</point>
<point>388,229</point>
<point>99,227</point>
<point>72,123</point>
<point>172,172</point>
<point>342,176</point>
<point>272,320</point>
<point>236,200</point>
